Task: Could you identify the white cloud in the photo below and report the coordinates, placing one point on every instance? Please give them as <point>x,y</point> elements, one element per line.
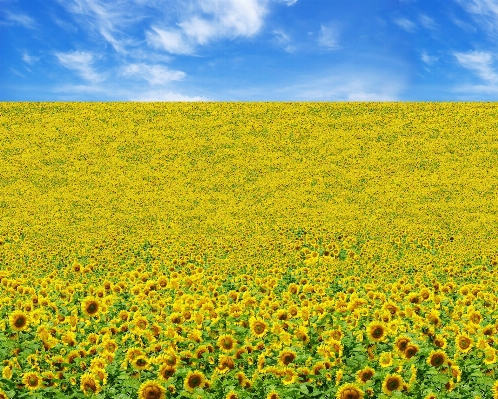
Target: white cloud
<point>171,41</point>
<point>328,37</point>
<point>154,74</point>
<point>405,24</point>
<point>485,13</point>
<point>17,72</point>
<point>428,59</point>
<point>21,19</point>
<point>80,62</point>
<point>288,2</point>
<point>427,22</point>
<point>108,18</point>
<point>225,19</point>
<point>284,40</point>
<point>480,62</point>
<point>29,59</point>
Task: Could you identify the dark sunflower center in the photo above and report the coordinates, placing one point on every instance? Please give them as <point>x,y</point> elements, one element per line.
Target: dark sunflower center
<point>90,385</point>
<point>20,322</point>
<point>227,344</point>
<point>288,358</point>
<point>366,376</point>
<point>92,308</point>
<point>377,332</point>
<point>350,394</point>
<point>464,343</point>
<point>141,362</point>
<point>437,360</point>
<point>168,373</point>
<point>152,393</point>
<point>194,381</point>
<point>33,381</point>
<point>392,384</point>
<point>259,328</point>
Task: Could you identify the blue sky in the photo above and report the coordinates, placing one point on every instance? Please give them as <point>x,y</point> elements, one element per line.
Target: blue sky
<point>248,50</point>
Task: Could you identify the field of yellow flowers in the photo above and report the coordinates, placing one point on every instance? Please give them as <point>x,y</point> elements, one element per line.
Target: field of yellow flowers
<point>248,250</point>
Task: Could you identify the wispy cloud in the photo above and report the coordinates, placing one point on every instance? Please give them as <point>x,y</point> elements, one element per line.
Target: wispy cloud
<point>427,22</point>
<point>20,19</point>
<point>154,74</point>
<point>226,19</point>
<point>284,41</point>
<point>485,13</point>
<point>171,41</point>
<point>479,62</point>
<point>109,19</point>
<point>29,59</point>
<point>405,24</point>
<point>160,95</point>
<point>328,36</point>
<point>428,59</point>
<point>288,2</point>
<point>80,62</point>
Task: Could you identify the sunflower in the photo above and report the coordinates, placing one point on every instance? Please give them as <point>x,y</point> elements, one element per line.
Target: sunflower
<point>194,379</point>
<point>258,327</point>
<point>385,359</point>
<point>430,396</point>
<point>140,363</point>
<point>151,390</point>
<point>286,357</point>
<point>376,331</point>
<point>437,358</point>
<point>91,307</point>
<point>7,372</point>
<point>273,395</point>
<point>411,350</point>
<point>232,395</point>
<point>226,343</point>
<point>166,372</point>
<point>401,342</point>
<point>463,343</point>
<point>302,334</point>
<point>3,395</point>
<point>494,389</point>
<point>489,356</point>
<point>456,373</point>
<point>391,383</point>
<point>32,380</point>
<point>349,391</point>
<point>88,384</point>
<point>364,374</point>
<point>19,320</point>
<point>440,342</point>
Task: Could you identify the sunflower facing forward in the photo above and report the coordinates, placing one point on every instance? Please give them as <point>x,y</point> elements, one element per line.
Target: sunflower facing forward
<point>19,321</point>
<point>151,390</point>
<point>349,391</point>
<point>91,307</point>
<point>391,383</point>
<point>376,331</point>
<point>194,379</point>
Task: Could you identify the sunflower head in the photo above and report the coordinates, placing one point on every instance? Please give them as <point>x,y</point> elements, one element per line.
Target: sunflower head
<point>411,350</point>
<point>349,391</point>
<point>151,390</point>
<point>376,331</point>
<point>437,358</point>
<point>19,321</point>
<point>166,372</point>
<point>391,383</point>
<point>89,384</point>
<point>32,380</point>
<point>91,307</point>
<point>258,327</point>
<point>287,357</point>
<point>194,379</point>
<point>365,374</point>
<point>226,343</point>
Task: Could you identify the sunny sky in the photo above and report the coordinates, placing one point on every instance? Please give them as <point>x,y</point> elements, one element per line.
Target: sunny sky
<point>248,50</point>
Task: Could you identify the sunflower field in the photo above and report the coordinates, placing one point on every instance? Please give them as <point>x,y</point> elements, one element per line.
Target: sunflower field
<point>248,250</point>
